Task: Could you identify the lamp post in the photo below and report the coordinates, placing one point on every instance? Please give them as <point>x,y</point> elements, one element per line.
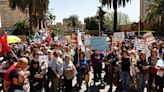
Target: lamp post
<point>101,15</point>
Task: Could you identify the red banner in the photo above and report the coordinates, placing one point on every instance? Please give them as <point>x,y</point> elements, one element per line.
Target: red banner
<point>4,47</point>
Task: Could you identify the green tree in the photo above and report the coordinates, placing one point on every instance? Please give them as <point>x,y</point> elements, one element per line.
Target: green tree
<point>36,8</point>
<point>91,23</point>
<point>73,20</point>
<point>155,14</point>
<point>21,28</point>
<point>122,20</point>
<point>115,4</point>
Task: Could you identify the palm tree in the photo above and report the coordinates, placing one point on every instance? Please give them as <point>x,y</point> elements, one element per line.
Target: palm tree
<point>21,28</point>
<point>115,4</point>
<point>73,20</point>
<point>36,8</point>
<point>155,13</point>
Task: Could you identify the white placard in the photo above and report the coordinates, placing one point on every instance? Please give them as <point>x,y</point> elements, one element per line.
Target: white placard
<point>43,58</point>
<point>148,38</point>
<point>139,44</point>
<point>119,36</point>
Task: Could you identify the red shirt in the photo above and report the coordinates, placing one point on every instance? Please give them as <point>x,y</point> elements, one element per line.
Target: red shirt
<point>6,77</point>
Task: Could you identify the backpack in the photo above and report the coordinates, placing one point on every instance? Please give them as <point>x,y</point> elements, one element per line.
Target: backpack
<point>83,67</point>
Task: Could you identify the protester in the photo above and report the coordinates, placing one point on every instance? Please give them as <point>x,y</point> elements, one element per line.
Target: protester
<point>152,70</point>
<point>125,71</point>
<point>22,63</point>
<point>69,72</point>
<point>112,58</point>
<point>83,71</point>
<point>16,78</point>
<point>50,72</point>
<point>57,69</point>
<point>143,67</point>
<point>160,73</point>
<point>36,76</point>
<point>97,59</point>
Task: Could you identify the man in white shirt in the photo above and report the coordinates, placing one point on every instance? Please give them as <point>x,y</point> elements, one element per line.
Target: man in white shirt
<point>50,72</point>
<point>160,73</point>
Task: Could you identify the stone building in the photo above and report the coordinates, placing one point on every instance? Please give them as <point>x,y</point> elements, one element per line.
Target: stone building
<point>9,17</point>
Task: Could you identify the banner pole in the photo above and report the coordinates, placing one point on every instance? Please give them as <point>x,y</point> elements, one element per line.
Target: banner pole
<point>14,54</point>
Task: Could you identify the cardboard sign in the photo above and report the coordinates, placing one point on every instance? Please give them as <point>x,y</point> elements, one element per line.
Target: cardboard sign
<point>119,36</point>
<point>148,38</point>
<point>98,43</point>
<point>139,44</point>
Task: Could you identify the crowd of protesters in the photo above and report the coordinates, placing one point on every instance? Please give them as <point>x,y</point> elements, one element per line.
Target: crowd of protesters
<point>125,67</point>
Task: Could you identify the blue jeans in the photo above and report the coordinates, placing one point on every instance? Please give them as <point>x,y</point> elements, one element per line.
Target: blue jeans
<point>125,77</point>
<point>141,82</point>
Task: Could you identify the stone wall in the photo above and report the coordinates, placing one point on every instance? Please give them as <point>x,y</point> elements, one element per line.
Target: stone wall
<point>9,16</point>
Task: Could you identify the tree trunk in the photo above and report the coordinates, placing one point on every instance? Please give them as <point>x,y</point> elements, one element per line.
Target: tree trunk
<point>162,25</point>
<point>74,25</point>
<point>30,16</point>
<point>40,23</point>
<point>115,16</point>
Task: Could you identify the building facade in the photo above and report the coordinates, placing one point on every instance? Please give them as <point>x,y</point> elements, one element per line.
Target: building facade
<point>9,17</point>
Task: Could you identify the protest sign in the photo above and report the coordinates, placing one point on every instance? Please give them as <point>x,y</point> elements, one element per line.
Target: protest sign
<point>130,34</point>
<point>43,58</point>
<point>148,38</point>
<point>119,36</point>
<point>87,40</point>
<point>98,43</point>
<point>139,44</point>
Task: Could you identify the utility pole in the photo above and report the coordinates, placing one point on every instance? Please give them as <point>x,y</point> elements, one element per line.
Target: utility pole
<point>101,15</point>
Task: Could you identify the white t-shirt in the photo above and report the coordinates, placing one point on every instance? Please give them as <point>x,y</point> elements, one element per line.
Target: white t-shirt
<point>160,63</point>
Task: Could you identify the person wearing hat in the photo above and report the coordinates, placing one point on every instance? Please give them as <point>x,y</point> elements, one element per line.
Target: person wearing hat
<point>143,66</point>
<point>50,72</point>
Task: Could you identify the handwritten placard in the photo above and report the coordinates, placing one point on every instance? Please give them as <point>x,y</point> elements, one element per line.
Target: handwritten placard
<point>119,36</point>
<point>98,43</point>
<point>149,38</point>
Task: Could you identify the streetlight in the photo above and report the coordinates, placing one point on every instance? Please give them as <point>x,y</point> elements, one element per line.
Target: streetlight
<point>101,15</point>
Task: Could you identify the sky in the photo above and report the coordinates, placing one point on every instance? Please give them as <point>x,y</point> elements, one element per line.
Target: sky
<point>86,8</point>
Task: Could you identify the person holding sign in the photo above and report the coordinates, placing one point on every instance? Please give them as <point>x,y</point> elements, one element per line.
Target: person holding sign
<point>96,59</point>
<point>143,67</point>
<point>152,70</point>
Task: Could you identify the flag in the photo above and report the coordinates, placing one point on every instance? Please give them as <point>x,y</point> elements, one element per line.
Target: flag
<point>49,39</point>
<point>4,47</point>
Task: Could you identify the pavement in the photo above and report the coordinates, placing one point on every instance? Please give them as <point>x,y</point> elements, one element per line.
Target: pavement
<point>100,87</point>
